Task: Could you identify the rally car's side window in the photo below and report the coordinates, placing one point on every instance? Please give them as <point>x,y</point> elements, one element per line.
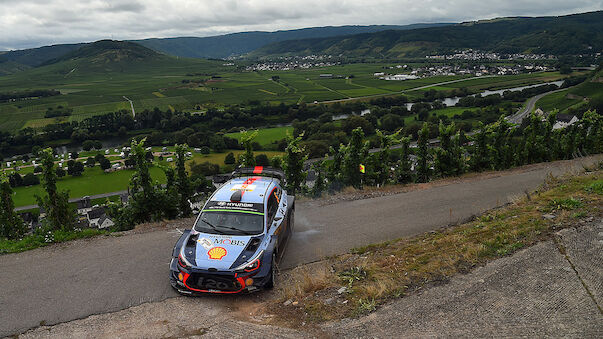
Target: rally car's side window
<point>273,202</point>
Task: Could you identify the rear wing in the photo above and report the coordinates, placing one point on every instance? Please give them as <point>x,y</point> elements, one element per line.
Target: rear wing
<point>260,171</point>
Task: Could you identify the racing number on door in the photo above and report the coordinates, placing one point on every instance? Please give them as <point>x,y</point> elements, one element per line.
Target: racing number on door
<point>212,284</point>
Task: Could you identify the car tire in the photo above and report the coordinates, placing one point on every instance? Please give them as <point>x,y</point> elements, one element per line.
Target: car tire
<point>273,270</point>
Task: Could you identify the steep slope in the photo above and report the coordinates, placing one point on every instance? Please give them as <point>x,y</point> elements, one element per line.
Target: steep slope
<point>36,56</point>
<point>223,46</point>
<point>109,51</point>
<point>572,34</point>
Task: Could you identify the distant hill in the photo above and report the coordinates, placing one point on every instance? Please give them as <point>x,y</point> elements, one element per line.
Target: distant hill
<point>223,46</point>
<point>108,51</point>
<point>220,46</point>
<point>563,35</point>
<point>34,57</point>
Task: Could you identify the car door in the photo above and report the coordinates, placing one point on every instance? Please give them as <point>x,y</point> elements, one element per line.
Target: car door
<point>275,215</point>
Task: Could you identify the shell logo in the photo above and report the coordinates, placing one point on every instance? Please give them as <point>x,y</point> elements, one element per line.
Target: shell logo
<point>217,253</point>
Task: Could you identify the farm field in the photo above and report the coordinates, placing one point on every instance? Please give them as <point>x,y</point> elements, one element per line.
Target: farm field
<point>192,84</point>
<point>571,97</point>
<point>266,136</point>
<point>93,181</point>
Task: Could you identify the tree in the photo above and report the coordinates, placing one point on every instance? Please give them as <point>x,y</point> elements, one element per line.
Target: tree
<point>320,183</point>
<point>480,159</point>
<point>293,164</point>
<point>229,159</point>
<point>445,162</point>
<point>423,155</point>
<point>98,157</point>
<point>145,203</point>
<point>501,148</point>
<point>74,155</point>
<point>15,180</point>
<point>382,160</point>
<point>276,162</point>
<point>37,169</point>
<point>205,150</point>
<point>404,168</point>
<point>182,183</point>
<point>354,155</point>
<point>262,160</point>
<point>60,172</point>
<point>204,169</point>
<point>88,145</point>
<point>75,168</point>
<point>565,69</point>
<point>11,225</point>
<point>59,214</point>
<point>30,179</point>
<point>104,163</point>
<point>247,159</point>
<point>35,150</point>
<point>90,162</point>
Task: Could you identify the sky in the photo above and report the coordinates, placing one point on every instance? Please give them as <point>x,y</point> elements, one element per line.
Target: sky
<point>34,23</point>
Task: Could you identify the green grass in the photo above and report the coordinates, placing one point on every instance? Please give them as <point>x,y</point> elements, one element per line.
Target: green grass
<point>41,239</point>
<point>93,181</point>
<point>266,136</point>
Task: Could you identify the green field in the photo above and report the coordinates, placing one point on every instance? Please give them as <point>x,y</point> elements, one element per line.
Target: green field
<point>266,136</point>
<point>571,97</point>
<point>184,84</point>
<point>93,181</point>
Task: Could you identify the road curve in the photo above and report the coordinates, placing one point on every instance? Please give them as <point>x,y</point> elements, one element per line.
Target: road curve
<point>74,280</point>
<point>518,117</point>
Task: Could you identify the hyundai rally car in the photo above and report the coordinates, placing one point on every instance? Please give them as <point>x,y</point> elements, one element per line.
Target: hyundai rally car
<point>238,236</point>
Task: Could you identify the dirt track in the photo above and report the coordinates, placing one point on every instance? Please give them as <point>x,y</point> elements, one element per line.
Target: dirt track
<point>71,281</point>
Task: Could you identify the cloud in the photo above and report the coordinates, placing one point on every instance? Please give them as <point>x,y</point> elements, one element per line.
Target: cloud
<point>32,23</point>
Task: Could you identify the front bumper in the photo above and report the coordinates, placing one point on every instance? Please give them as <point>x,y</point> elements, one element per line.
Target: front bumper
<point>194,281</point>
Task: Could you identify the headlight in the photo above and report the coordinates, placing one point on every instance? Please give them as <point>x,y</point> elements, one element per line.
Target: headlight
<point>182,261</point>
<point>252,264</point>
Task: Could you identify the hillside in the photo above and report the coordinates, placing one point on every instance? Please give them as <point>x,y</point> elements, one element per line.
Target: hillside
<point>223,46</point>
<point>571,34</point>
<point>108,52</point>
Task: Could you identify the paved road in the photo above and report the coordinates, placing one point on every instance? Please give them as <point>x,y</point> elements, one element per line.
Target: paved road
<point>77,279</point>
<point>518,117</point>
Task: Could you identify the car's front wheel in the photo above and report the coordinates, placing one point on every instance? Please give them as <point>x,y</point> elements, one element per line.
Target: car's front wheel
<point>273,272</point>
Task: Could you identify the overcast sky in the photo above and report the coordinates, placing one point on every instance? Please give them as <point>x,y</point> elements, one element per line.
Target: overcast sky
<point>33,23</point>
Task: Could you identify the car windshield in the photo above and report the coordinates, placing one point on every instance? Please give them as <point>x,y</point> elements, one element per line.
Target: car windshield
<point>230,223</point>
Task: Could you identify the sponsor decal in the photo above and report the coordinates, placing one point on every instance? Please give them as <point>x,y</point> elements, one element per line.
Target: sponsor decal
<point>206,243</point>
<point>228,241</point>
<point>217,253</point>
<point>243,187</point>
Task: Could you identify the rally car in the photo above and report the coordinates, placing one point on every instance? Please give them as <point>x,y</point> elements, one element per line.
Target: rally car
<point>238,237</point>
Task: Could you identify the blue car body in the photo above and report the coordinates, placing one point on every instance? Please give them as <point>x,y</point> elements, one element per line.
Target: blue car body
<point>238,236</point>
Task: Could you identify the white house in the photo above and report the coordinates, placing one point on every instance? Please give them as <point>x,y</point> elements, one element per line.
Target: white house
<point>564,120</point>
<point>97,218</point>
